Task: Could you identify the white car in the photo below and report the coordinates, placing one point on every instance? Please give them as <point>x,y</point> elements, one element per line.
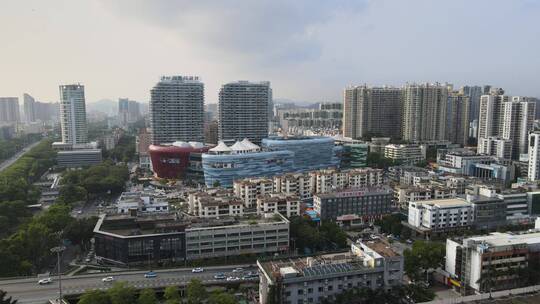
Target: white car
<point>238,269</point>
<point>233,278</point>
<point>197,270</point>
<point>45,281</point>
<point>108,279</point>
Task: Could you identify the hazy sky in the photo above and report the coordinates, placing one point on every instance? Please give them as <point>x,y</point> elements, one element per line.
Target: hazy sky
<point>309,49</point>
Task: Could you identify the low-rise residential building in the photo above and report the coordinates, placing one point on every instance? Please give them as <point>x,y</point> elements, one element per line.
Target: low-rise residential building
<point>369,203</point>
<point>405,154</point>
<point>369,264</point>
<point>249,189</point>
<point>294,184</point>
<point>407,194</point>
<point>495,146</point>
<point>215,203</point>
<point>286,205</point>
<point>491,262</point>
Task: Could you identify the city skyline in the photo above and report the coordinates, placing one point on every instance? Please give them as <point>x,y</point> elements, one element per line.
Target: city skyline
<point>305,51</point>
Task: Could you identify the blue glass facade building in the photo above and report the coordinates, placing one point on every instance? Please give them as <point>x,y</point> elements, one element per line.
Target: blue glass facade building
<point>226,168</point>
<point>280,155</point>
<point>310,153</point>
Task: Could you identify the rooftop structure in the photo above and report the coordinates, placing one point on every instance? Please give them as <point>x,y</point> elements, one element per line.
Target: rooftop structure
<point>370,264</point>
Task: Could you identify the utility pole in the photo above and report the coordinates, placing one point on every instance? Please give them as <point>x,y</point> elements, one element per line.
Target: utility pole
<point>59,250</point>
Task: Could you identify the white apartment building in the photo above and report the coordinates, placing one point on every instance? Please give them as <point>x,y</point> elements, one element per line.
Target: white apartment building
<point>365,177</point>
<point>249,189</point>
<point>73,114</point>
<point>534,156</point>
<point>442,214</point>
<point>286,205</point>
<point>404,195</point>
<point>294,184</point>
<point>326,181</point>
<point>405,154</point>
<point>495,146</point>
<point>507,117</point>
<point>177,110</point>
<point>215,204</point>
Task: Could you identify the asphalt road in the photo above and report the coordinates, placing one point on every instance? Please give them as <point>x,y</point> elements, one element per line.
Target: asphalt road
<point>27,291</point>
<point>8,162</point>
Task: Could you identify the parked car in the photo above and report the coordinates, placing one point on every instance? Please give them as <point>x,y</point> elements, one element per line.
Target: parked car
<point>197,270</point>
<point>150,275</point>
<point>45,281</point>
<point>107,279</point>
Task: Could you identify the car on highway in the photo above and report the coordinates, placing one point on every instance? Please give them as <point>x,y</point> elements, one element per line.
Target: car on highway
<point>233,278</point>
<point>197,270</point>
<point>150,275</point>
<point>238,269</point>
<point>107,279</point>
<point>250,276</point>
<point>219,276</point>
<point>45,281</point>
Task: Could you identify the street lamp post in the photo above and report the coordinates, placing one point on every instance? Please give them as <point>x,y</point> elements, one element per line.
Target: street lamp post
<point>59,250</point>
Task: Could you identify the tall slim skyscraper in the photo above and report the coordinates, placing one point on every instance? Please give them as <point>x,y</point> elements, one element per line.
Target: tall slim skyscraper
<point>509,118</point>
<point>243,110</point>
<point>128,111</point>
<point>9,110</point>
<point>424,112</point>
<point>29,108</point>
<point>457,117</point>
<point>177,110</point>
<point>374,111</point>
<point>518,121</point>
<point>73,114</point>
<point>474,93</point>
<point>534,156</point>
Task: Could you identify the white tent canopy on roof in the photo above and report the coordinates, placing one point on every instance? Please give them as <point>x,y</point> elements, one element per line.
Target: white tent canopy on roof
<point>250,145</point>
<point>220,148</point>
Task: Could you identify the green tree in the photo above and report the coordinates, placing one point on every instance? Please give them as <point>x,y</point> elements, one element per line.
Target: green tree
<point>221,297</point>
<point>94,297</point>
<point>216,184</point>
<point>422,257</point>
<point>147,296</point>
<point>5,300</point>
<point>196,292</point>
<point>80,231</point>
<point>171,295</point>
<point>121,293</point>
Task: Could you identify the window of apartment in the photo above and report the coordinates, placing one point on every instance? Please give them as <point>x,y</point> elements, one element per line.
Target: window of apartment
<point>300,291</point>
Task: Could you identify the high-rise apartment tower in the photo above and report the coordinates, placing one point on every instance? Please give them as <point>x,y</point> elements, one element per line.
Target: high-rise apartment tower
<point>243,110</point>
<point>177,110</point>
<point>424,112</point>
<point>372,111</point>
<point>73,114</point>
